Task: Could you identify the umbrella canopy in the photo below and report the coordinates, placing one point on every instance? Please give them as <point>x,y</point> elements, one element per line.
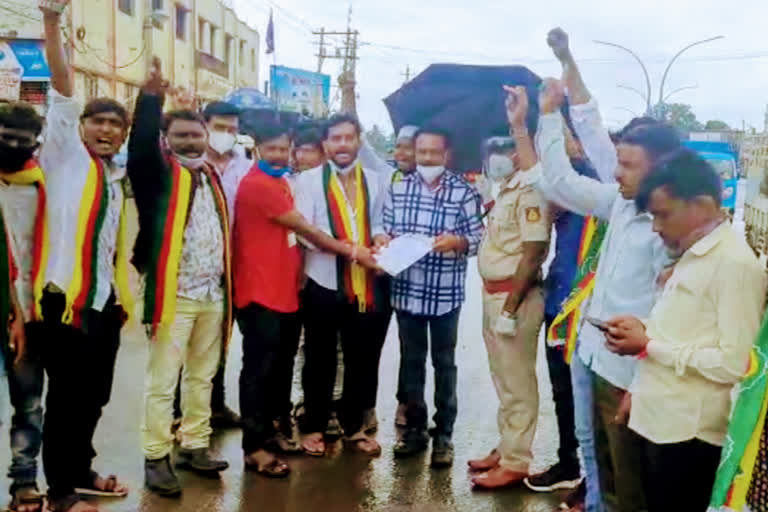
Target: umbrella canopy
<point>466,101</point>
<point>249,97</point>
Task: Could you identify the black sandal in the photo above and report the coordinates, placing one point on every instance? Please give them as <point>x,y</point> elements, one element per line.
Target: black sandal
<point>26,495</point>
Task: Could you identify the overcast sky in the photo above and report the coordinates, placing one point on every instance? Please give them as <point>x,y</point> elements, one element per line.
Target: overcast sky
<point>731,74</point>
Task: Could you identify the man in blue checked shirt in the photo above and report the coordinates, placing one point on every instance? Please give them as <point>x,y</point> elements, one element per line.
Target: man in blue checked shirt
<point>427,297</point>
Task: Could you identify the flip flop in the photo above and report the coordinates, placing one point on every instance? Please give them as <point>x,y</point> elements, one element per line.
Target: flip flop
<point>314,452</point>
<point>355,444</point>
<point>275,469</point>
<point>93,491</point>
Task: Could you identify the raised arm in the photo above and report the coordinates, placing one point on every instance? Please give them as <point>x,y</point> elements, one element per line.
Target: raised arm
<point>145,159</point>
<point>554,176</point>
<point>54,49</point>
<point>585,114</point>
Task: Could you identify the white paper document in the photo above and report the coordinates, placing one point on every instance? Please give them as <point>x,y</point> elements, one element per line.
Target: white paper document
<point>404,251</point>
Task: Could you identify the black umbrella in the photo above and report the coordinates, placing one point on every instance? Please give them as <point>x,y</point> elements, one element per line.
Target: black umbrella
<point>466,101</point>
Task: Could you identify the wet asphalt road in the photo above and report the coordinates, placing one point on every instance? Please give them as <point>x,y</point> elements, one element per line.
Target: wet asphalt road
<point>340,482</point>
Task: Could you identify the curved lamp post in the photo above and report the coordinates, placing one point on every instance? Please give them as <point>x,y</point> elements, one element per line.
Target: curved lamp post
<point>666,71</point>
<point>642,65</point>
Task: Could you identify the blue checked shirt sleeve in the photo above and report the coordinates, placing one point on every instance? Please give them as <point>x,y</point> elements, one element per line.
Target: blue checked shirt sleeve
<point>388,212</point>
<point>470,224</point>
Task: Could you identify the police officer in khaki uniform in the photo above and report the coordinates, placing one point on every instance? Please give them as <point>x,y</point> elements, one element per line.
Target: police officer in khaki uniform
<point>509,260</point>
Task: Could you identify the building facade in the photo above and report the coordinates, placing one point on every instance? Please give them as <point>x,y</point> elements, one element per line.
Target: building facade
<point>203,46</point>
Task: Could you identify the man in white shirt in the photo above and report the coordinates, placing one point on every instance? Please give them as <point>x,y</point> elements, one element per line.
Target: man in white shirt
<point>343,199</point>
<point>632,257</point>
<point>229,159</point>
<point>86,299</point>
<point>695,344</point>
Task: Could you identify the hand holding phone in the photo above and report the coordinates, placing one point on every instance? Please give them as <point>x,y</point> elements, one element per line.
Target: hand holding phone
<point>599,324</point>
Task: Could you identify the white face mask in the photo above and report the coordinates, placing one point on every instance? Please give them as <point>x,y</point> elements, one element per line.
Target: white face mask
<point>221,142</point>
<point>430,173</point>
<point>191,163</point>
<point>344,170</point>
<point>500,167</point>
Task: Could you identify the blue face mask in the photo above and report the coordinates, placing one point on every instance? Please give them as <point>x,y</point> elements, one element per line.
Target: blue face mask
<point>271,171</point>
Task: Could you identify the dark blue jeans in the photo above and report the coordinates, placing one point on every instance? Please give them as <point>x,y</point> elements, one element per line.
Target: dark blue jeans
<point>25,382</point>
<point>415,334</point>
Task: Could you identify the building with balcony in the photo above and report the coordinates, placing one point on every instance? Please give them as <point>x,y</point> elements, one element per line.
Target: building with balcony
<point>202,44</point>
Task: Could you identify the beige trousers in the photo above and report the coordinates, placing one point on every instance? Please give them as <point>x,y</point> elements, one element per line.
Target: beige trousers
<point>513,369</point>
<point>194,344</point>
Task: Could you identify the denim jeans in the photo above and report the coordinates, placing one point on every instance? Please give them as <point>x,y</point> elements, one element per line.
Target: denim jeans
<point>415,334</point>
<point>584,418</point>
<point>3,397</point>
<point>25,382</point>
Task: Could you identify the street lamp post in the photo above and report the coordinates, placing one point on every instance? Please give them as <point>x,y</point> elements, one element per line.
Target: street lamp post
<point>666,71</point>
<point>642,65</point>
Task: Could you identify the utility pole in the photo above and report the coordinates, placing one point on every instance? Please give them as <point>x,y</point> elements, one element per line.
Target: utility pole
<point>321,55</point>
<point>407,74</point>
<point>348,54</point>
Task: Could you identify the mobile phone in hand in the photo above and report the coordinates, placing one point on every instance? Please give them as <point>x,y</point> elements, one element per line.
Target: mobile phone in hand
<point>602,326</point>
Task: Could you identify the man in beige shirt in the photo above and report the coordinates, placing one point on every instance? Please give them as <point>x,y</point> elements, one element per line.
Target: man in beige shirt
<point>509,259</point>
<point>695,345</point>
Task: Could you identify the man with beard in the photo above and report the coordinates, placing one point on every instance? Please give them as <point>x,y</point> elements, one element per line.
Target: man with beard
<point>631,260</point>
<point>267,267</point>
<point>427,297</point>
<point>86,295</point>
<point>182,254</point>
<point>22,198</point>
<point>681,391</point>
<point>342,298</point>
<point>223,121</point>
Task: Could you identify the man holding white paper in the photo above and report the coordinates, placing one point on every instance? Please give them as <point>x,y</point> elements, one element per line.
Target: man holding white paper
<point>509,260</point>
<point>427,296</point>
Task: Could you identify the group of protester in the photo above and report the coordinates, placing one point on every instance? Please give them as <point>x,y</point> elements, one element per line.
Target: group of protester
<point>287,242</point>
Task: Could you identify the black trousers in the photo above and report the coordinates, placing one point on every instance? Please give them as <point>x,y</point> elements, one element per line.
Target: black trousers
<point>679,476</point>
<point>419,336</point>
<point>562,394</point>
<point>80,367</point>
<point>269,348</point>
<point>328,316</point>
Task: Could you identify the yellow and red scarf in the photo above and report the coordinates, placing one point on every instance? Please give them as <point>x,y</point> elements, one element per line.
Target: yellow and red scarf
<point>564,328</point>
<point>32,174</point>
<point>167,242</point>
<point>356,282</point>
<point>93,209</point>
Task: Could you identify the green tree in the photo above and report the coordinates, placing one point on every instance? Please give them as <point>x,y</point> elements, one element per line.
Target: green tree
<point>679,115</point>
<point>380,142</point>
<point>716,124</point>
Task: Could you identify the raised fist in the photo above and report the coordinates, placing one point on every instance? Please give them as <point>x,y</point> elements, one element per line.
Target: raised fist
<point>551,96</point>
<point>557,39</point>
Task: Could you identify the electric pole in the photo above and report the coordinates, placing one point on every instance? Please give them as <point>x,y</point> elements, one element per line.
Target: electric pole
<point>321,49</point>
<point>348,54</point>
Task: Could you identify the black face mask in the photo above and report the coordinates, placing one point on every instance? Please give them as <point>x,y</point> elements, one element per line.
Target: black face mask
<point>13,158</point>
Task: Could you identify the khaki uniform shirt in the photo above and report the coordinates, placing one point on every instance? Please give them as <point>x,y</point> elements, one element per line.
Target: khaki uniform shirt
<point>519,215</point>
<point>702,330</point>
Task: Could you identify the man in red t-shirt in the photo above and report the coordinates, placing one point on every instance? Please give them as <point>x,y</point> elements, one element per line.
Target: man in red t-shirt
<point>267,268</point>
